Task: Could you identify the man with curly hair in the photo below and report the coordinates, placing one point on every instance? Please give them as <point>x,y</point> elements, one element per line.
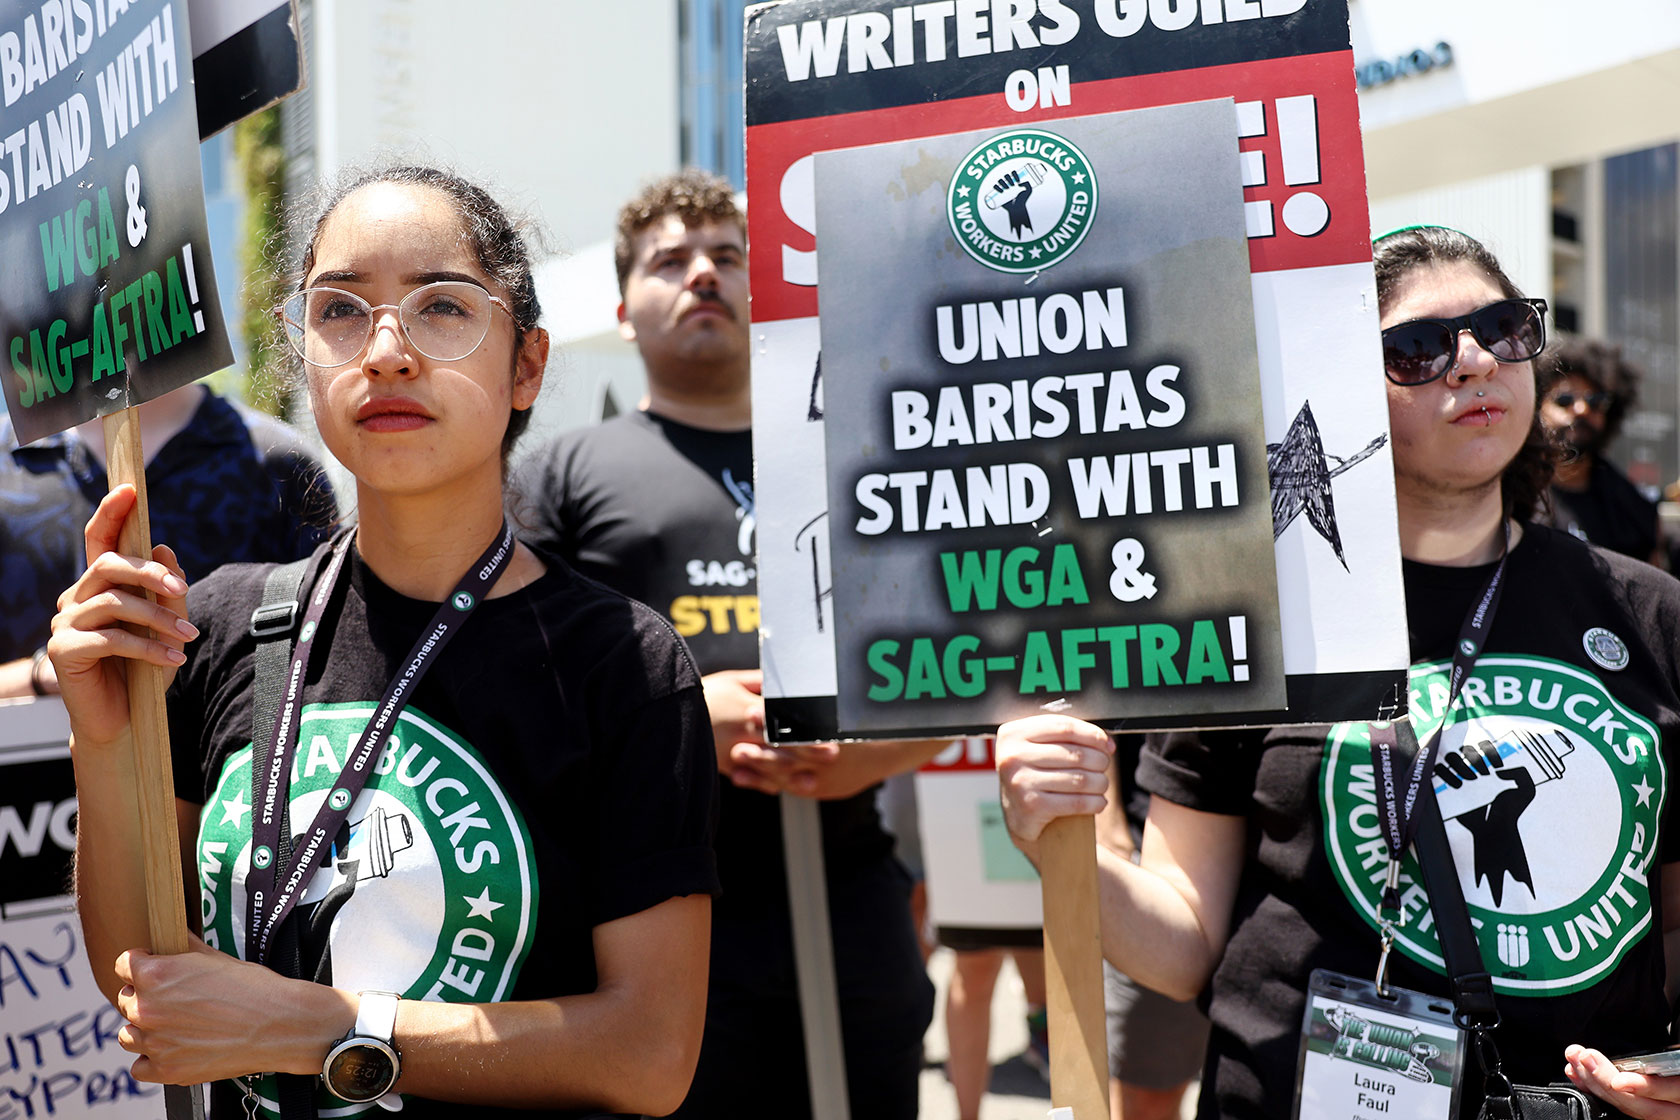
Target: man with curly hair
<point>1586,388</point>
<point>658,504</point>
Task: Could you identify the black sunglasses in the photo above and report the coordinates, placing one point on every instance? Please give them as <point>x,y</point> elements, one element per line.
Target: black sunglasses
<point>1596,401</point>
<point>1423,350</point>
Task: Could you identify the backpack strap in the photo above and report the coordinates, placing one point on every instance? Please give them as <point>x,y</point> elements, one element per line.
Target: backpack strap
<point>272,625</point>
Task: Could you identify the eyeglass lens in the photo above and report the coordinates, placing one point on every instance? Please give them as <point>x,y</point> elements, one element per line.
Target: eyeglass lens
<point>1418,352</point>
<point>445,321</point>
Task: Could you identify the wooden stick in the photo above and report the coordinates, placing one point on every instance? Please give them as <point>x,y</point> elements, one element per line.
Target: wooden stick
<point>166,907</point>
<point>154,786</point>
<point>1073,968</point>
<point>813,958</point>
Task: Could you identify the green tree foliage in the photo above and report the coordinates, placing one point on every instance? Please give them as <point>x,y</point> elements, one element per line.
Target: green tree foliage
<point>261,159</point>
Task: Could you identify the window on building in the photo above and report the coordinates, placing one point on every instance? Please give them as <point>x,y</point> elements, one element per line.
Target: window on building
<point>713,129</point>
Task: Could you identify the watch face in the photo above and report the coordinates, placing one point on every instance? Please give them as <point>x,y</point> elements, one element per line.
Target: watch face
<point>360,1071</point>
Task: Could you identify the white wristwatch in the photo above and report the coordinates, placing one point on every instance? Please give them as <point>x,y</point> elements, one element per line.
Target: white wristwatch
<point>364,1064</point>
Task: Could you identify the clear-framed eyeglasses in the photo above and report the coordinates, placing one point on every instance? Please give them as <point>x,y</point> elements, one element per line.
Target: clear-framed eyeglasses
<point>445,321</point>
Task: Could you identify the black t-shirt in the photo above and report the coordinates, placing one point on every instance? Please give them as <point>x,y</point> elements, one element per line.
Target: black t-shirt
<point>1610,512</point>
<point>1560,862</point>
<point>664,513</point>
<point>552,772</point>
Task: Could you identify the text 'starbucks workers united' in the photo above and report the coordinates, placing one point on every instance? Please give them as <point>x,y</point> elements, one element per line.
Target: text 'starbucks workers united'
<point>430,887</point>
<point>1022,200</point>
<point>1530,743</point>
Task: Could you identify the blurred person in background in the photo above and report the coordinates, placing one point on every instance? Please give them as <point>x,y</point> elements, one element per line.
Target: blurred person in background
<point>657,504</point>
<point>1586,388</point>
<point>227,484</point>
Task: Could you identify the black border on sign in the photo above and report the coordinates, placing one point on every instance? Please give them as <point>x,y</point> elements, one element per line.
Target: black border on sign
<point>1313,698</point>
<point>248,71</point>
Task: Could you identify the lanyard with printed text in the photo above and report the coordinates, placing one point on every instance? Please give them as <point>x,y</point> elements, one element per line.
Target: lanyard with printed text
<point>1397,792</point>
<point>267,900</point>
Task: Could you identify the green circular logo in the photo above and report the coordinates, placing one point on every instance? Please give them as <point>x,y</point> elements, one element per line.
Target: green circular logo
<point>463,601</point>
<point>1021,201</point>
<point>308,632</point>
<point>261,858</point>
<point>1467,647</point>
<point>339,799</point>
<point>1551,790</point>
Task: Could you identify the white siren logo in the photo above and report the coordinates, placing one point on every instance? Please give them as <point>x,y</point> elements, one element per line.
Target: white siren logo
<point>1022,200</point>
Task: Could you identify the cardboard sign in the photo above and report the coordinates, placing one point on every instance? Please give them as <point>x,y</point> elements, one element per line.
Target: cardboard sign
<point>1047,475</point>
<point>976,877</point>
<point>107,298</point>
<point>246,56</point>
<point>58,1034</point>
<point>825,75</point>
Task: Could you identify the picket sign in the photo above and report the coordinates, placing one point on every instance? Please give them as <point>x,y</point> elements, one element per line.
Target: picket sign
<point>154,785</point>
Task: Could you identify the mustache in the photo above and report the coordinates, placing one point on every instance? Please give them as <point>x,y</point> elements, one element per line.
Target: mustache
<point>711,299</point>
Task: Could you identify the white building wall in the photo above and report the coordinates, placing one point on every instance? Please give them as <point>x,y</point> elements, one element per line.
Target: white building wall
<point>1535,82</point>
<point>563,106</point>
<point>1509,213</point>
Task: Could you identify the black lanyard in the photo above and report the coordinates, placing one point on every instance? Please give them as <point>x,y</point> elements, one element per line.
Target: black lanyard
<point>1397,792</point>
<point>267,901</point>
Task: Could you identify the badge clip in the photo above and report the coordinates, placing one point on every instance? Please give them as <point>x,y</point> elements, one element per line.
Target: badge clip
<point>1382,959</point>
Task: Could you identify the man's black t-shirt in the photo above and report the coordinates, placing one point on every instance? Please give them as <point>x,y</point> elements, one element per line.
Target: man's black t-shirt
<point>551,773</point>
<point>663,512</point>
<point>1559,851</point>
<point>1610,512</point>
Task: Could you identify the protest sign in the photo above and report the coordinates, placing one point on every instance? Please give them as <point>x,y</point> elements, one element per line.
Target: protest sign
<point>1047,476</point>
<point>976,878</point>
<point>58,1035</point>
<point>108,298</point>
<point>246,56</point>
<point>825,75</point>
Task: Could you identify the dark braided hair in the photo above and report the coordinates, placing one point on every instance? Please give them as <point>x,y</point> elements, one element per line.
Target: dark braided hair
<point>1527,477</point>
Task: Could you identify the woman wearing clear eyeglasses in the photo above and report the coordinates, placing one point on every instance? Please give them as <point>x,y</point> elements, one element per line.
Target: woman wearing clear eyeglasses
<point>471,846</point>
<point>1263,858</point>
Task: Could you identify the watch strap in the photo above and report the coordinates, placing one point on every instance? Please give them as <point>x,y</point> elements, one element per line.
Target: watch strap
<point>376,1015</point>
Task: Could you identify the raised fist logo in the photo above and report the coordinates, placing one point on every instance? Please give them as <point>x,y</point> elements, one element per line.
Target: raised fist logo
<point>1011,192</point>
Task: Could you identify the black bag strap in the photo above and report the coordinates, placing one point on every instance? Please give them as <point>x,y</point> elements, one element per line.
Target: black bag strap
<point>1472,984</point>
<point>272,624</point>
<point>1474,1008</point>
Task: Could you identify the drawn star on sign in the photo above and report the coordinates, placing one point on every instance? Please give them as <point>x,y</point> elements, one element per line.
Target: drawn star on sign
<point>1300,474</point>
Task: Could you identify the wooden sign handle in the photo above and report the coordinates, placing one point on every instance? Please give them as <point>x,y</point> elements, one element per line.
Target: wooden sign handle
<point>1067,853</point>
<point>154,787</point>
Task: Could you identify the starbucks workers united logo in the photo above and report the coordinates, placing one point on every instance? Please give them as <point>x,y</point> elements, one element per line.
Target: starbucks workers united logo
<point>430,885</point>
<point>1022,200</point>
<point>1552,791</point>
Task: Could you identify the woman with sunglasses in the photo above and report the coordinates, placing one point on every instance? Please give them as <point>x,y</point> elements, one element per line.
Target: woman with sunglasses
<point>465,864</point>
<point>1262,854</point>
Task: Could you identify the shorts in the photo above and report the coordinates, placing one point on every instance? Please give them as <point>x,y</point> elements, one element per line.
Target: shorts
<point>1153,1042</point>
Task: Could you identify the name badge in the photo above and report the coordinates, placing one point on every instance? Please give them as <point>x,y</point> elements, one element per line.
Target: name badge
<point>1365,1056</point>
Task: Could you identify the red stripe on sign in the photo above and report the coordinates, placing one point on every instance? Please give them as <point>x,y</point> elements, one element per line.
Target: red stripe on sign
<point>1304,164</point>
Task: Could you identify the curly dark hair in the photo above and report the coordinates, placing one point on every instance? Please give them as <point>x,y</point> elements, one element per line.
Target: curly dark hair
<point>1602,364</point>
<point>1528,476</point>
<point>498,242</point>
<point>695,196</point>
